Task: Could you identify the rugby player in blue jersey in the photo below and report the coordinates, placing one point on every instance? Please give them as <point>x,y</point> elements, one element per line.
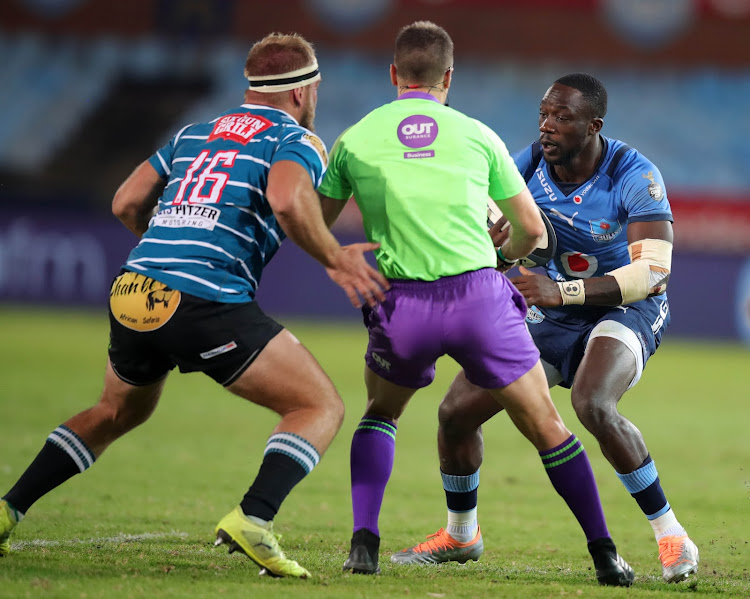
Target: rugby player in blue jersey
<point>229,191</point>
<point>597,316</point>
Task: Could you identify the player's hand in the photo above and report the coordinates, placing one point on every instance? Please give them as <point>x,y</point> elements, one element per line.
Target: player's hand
<point>536,289</point>
<point>500,231</point>
<point>356,277</point>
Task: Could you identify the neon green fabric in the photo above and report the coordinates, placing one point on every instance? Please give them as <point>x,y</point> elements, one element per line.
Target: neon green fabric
<point>421,174</point>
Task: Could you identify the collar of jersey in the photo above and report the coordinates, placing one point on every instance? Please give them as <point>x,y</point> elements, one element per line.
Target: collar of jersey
<point>417,96</point>
<point>264,107</point>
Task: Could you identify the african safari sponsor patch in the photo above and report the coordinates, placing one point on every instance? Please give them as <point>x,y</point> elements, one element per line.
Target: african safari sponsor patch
<point>140,303</point>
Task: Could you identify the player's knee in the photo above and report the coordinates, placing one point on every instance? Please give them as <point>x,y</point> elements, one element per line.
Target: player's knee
<point>451,420</point>
<point>336,410</point>
<point>121,418</point>
<point>328,406</point>
<point>595,411</point>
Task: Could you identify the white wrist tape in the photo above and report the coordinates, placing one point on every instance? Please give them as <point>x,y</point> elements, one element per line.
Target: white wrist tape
<point>572,292</point>
<point>648,271</point>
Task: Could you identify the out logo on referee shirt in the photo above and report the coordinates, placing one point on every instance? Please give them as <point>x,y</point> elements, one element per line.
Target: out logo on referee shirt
<point>417,131</point>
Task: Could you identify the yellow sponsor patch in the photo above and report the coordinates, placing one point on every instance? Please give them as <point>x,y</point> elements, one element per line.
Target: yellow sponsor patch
<point>319,146</point>
<point>141,303</point>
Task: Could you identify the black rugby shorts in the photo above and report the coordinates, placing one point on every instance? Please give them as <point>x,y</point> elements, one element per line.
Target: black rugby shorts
<point>154,328</point>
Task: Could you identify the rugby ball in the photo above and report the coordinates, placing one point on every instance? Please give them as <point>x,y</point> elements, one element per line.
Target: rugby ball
<point>547,247</point>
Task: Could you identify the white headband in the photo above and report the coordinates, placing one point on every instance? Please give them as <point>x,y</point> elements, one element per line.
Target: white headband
<point>285,81</point>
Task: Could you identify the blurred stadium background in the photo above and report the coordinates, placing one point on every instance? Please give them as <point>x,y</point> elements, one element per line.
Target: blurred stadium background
<point>91,87</point>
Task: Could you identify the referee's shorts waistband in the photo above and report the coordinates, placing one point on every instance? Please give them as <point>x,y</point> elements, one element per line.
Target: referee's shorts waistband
<point>448,281</point>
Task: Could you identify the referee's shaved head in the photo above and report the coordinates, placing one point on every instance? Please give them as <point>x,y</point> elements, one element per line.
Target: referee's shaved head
<point>424,51</point>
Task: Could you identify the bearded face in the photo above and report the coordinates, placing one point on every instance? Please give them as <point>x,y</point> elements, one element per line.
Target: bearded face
<point>310,102</point>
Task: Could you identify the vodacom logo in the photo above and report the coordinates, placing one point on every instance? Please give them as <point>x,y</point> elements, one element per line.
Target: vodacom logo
<point>578,264</point>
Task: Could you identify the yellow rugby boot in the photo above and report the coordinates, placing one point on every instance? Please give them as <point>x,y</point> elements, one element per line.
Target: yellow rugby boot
<point>9,517</point>
<point>257,542</point>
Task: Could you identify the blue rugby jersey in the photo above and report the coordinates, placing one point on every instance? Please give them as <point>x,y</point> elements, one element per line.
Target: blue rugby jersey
<point>591,218</point>
<point>214,230</point>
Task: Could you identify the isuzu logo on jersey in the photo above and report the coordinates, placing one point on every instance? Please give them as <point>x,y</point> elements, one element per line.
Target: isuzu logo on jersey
<point>417,131</point>
<point>604,230</point>
<point>545,186</point>
<point>239,127</point>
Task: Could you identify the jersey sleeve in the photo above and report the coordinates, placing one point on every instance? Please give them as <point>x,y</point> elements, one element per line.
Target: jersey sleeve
<point>162,159</point>
<point>522,158</point>
<point>305,148</point>
<point>335,184</point>
<point>644,196</point>
<point>505,179</point>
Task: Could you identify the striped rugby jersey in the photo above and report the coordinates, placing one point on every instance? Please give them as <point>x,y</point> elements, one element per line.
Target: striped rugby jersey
<point>214,230</point>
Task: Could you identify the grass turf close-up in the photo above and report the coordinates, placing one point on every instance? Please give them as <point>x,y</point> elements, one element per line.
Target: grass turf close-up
<point>139,523</point>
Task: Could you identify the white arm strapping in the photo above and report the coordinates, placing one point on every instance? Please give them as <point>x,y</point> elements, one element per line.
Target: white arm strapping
<point>648,271</point>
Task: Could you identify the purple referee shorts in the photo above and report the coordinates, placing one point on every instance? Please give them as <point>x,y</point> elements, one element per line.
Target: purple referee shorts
<point>477,318</point>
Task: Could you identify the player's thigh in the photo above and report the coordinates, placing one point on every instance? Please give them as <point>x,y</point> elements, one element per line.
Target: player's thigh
<point>404,334</point>
<point>136,321</point>
<point>485,330</point>
<point>128,402</point>
<point>617,349</point>
<point>466,406</point>
<point>384,398</point>
<point>607,370</point>
<point>285,377</point>
<point>529,405</point>
<point>560,339</point>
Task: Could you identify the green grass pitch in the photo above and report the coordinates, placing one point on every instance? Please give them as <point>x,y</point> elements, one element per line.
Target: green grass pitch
<point>139,523</point>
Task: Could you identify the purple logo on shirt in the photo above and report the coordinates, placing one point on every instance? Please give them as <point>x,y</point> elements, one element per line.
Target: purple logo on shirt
<point>417,131</point>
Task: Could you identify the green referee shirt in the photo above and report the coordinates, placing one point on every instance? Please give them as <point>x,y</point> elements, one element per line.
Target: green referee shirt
<point>421,174</point>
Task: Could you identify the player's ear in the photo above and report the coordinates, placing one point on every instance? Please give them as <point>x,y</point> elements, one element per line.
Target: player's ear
<point>595,125</point>
<point>297,96</point>
<point>447,77</point>
<point>394,80</point>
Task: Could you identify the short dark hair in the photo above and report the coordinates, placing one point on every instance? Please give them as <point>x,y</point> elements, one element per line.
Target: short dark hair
<point>592,89</point>
<point>424,51</point>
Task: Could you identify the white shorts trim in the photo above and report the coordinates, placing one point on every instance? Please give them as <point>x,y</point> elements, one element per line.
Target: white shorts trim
<point>617,330</point>
<point>554,377</point>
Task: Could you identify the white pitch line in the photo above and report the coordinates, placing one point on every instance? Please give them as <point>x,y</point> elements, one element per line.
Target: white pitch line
<point>120,538</point>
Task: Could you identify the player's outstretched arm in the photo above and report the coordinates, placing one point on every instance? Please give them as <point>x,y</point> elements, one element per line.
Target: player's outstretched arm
<point>295,204</point>
<point>331,208</point>
<point>136,198</point>
<point>356,277</point>
<point>650,248</point>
